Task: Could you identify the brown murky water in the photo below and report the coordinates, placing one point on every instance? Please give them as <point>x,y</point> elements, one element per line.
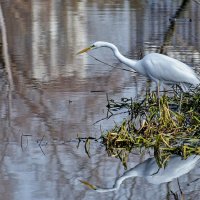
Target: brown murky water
<point>59,95</point>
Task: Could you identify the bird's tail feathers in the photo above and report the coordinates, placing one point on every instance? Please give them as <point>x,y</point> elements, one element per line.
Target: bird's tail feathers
<point>197,81</point>
<point>184,87</point>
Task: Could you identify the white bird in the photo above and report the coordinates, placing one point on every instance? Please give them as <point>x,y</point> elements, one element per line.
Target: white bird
<point>176,167</point>
<point>158,67</point>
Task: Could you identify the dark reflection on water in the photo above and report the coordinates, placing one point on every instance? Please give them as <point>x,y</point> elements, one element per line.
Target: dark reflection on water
<point>53,98</point>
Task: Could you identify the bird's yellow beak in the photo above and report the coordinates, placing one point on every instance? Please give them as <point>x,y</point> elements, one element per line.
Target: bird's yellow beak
<point>84,50</point>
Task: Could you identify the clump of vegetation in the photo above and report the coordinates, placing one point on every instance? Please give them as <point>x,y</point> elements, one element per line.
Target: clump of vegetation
<point>168,125</point>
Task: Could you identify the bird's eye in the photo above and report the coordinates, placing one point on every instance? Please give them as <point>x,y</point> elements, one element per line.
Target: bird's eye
<point>92,46</point>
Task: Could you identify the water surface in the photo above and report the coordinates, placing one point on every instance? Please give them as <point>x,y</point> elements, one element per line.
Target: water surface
<point>59,95</point>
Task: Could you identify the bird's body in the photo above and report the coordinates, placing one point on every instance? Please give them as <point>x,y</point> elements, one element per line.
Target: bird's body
<point>158,67</point>
<point>162,68</point>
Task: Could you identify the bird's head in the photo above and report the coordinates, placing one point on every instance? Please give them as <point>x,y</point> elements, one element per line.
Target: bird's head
<point>92,46</point>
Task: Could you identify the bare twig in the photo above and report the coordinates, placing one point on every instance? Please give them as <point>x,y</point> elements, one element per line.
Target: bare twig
<point>39,144</point>
<point>111,65</point>
<point>22,136</point>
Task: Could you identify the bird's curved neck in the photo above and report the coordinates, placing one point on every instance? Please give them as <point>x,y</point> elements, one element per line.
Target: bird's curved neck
<point>130,173</point>
<point>129,62</point>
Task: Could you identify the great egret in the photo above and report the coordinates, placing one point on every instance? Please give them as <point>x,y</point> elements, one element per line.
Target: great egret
<point>158,67</point>
<point>149,170</point>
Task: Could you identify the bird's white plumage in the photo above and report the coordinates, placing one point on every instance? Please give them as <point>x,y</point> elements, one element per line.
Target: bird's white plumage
<point>175,168</point>
<point>167,69</point>
<point>158,67</point>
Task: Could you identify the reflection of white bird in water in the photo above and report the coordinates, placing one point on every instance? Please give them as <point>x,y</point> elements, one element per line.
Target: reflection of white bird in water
<point>149,169</point>
<point>158,67</point>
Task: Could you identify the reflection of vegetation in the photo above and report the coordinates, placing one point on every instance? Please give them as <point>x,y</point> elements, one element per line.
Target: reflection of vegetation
<point>170,31</point>
<point>4,50</point>
<point>164,127</point>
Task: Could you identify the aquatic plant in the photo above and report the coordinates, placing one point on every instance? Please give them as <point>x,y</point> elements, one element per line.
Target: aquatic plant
<point>168,125</point>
